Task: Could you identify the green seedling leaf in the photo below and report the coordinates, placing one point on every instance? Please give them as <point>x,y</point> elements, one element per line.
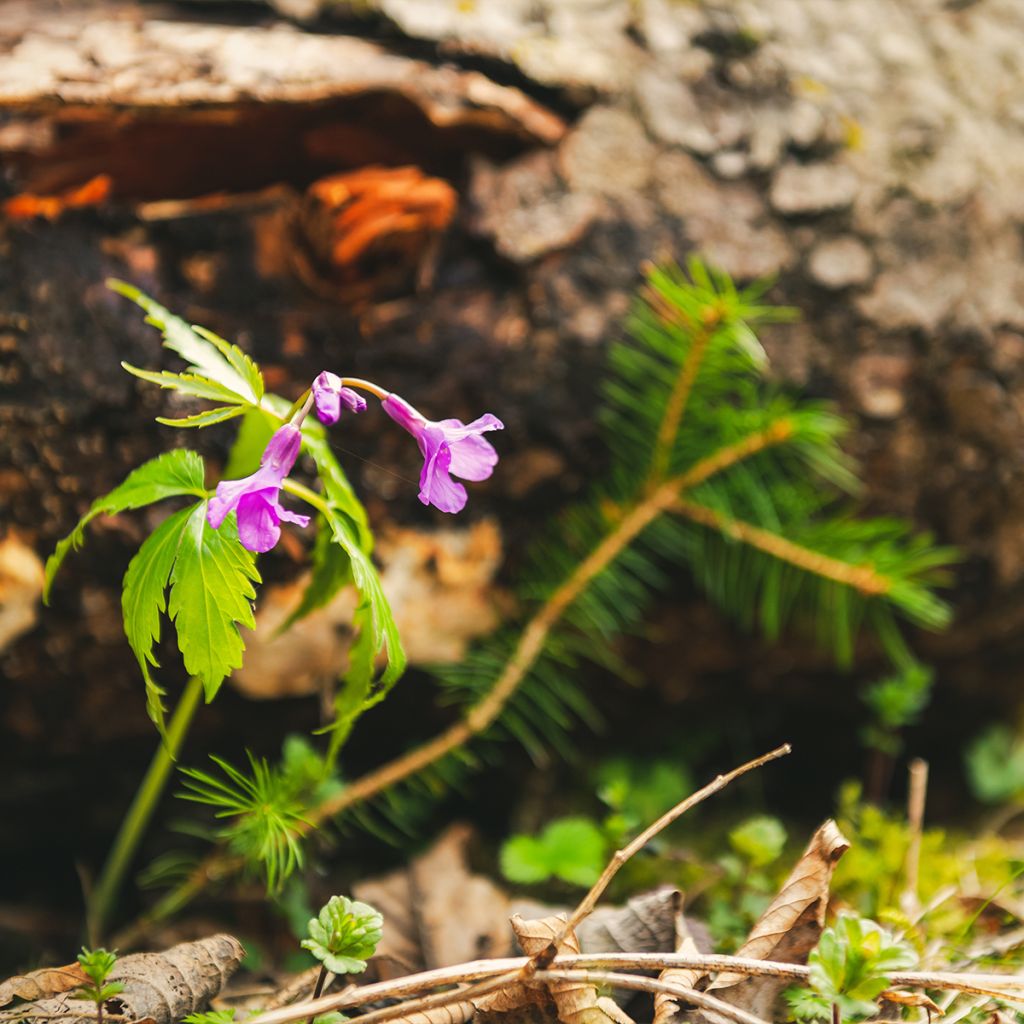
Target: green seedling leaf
<point>572,849</point>
<point>759,840</point>
<point>211,594</point>
<point>206,357</point>
<point>851,964</point>
<point>143,600</point>
<point>188,384</point>
<point>211,1017</point>
<point>173,473</point>
<point>344,935</point>
<point>97,964</point>
<point>205,419</point>
<point>995,765</point>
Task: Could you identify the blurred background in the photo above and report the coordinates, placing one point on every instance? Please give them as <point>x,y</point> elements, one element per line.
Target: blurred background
<point>457,199</point>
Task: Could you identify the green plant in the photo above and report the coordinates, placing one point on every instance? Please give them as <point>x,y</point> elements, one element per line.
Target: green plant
<point>572,849</point>
<point>712,470</point>
<point>343,936</point>
<point>995,765</point>
<point>850,969</point>
<point>97,965</point>
<point>896,701</point>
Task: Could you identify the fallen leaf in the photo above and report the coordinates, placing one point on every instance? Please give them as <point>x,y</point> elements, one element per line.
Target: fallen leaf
<point>41,984</point>
<point>645,924</point>
<point>437,913</point>
<point>791,926</point>
<point>576,1001</point>
<point>895,995</point>
<point>666,1006</point>
<point>161,987</point>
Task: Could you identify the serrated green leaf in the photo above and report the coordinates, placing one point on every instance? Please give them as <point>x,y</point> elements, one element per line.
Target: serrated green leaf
<point>188,384</point>
<point>205,419</point>
<point>380,620</point>
<point>169,475</point>
<point>204,358</point>
<point>241,363</point>
<point>143,600</point>
<point>211,594</point>
<point>337,488</point>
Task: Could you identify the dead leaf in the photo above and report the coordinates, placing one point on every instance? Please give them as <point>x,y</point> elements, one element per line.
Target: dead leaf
<point>791,926</point>
<point>161,986</point>
<point>439,914</point>
<point>21,587</point>
<point>576,1001</point>
<point>895,995</point>
<point>41,984</point>
<point>665,1006</point>
<point>646,924</point>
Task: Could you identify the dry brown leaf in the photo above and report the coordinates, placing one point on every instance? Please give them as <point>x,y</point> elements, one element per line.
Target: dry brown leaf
<point>645,924</point>
<point>439,914</point>
<point>665,1006</point>
<point>791,926</point>
<point>41,984</point>
<point>895,995</point>
<point>161,986</point>
<point>576,1001</point>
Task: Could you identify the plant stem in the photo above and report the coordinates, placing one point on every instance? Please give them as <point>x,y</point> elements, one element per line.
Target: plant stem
<point>141,810</point>
<point>318,989</point>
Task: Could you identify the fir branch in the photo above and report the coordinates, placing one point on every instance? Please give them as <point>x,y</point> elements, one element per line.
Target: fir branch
<point>863,578</point>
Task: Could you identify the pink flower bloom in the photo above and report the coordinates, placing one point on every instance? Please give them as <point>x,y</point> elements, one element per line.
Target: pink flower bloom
<point>330,394</point>
<point>255,499</point>
<point>450,448</point>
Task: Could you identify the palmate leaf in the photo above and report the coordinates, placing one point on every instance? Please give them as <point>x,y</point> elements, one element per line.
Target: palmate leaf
<point>208,356</point>
<point>188,384</point>
<point>205,419</point>
<point>211,593</point>
<point>174,473</point>
<point>143,601</point>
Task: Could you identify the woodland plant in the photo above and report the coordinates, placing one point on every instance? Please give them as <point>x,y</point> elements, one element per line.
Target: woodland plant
<point>710,469</point>
<point>97,964</point>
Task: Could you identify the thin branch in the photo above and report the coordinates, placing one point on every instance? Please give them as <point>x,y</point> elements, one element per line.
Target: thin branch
<point>531,643</point>
<point>863,578</point>
<point>620,857</point>
<point>1000,986</point>
<point>675,408</point>
<point>639,983</point>
<point>910,902</point>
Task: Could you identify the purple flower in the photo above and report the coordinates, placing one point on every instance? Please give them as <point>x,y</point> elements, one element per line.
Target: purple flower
<point>330,394</point>
<point>449,447</point>
<point>255,499</point>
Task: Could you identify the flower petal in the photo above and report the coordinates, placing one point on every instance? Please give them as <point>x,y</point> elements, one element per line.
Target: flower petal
<point>228,494</point>
<point>455,429</point>
<point>473,458</point>
<point>281,452</point>
<point>329,394</point>
<point>258,522</point>
<point>286,515</point>
<point>437,488</point>
<point>404,414</point>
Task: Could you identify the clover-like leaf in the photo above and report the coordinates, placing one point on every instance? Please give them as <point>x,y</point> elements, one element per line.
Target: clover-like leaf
<point>344,935</point>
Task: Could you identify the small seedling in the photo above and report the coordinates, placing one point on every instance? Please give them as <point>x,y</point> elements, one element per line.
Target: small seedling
<point>850,969</point>
<point>343,937</point>
<point>572,849</point>
<point>97,965</point>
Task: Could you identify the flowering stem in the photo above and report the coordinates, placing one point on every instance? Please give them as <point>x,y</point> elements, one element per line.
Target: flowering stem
<point>122,853</point>
<point>365,385</point>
